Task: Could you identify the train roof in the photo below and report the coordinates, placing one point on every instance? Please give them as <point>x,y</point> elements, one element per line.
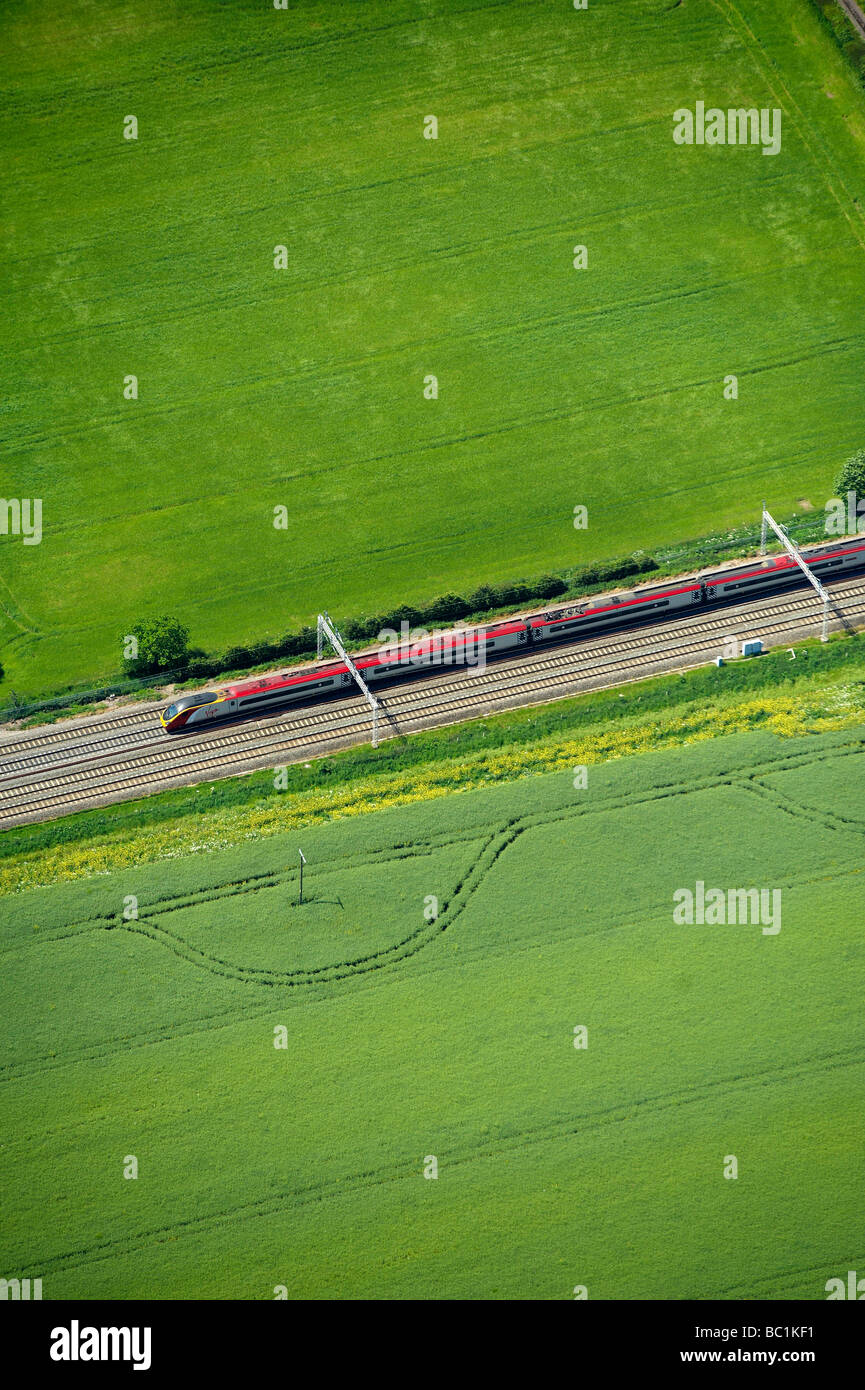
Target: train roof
<point>781,560</point>
<point>286,678</point>
<point>450,637</point>
<point>382,657</point>
<point>618,598</point>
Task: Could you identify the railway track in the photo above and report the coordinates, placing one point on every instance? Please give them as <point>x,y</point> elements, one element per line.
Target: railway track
<point>855,15</point>
<point>119,756</point>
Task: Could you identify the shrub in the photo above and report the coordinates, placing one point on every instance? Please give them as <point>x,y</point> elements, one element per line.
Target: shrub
<point>548,586</point>
<point>162,646</point>
<point>506,594</point>
<point>851,478</point>
<point>236,658</point>
<point>479,600</point>
<point>360,629</point>
<point>448,608</point>
<point>415,617</point>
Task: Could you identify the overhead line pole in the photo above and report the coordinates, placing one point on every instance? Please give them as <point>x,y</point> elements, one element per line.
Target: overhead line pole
<point>797,555</point>
<point>326,629</point>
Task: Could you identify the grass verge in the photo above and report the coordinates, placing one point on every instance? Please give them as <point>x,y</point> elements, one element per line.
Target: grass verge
<point>820,688</point>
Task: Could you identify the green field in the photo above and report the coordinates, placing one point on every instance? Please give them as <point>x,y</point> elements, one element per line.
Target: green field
<point>303,387</point>
<point>303,1167</point>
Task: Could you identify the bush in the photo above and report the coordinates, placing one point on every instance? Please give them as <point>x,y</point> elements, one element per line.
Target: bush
<point>162,646</point>
<point>360,629</point>
<point>448,608</point>
<point>548,586</point>
<point>415,617</point>
<point>236,658</point>
<point>202,669</point>
<point>261,652</point>
<point>506,594</point>
<point>481,599</point>
<point>613,570</point>
<point>851,478</point>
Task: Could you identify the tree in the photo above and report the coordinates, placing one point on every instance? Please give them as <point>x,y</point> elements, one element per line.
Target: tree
<point>548,586</point>
<point>852,476</point>
<point>447,608</point>
<point>163,645</point>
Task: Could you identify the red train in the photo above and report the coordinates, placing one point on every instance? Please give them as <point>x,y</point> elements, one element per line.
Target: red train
<point>471,646</point>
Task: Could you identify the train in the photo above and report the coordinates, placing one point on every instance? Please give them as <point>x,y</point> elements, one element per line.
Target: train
<point>473,646</point>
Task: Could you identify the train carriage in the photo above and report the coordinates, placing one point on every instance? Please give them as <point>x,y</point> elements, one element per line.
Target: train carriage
<point>613,610</point>
<point>756,577</point>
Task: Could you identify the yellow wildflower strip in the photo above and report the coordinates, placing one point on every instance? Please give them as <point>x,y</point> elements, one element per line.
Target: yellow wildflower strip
<point>809,711</point>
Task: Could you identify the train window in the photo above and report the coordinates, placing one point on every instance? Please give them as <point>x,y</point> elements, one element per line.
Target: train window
<point>170,712</point>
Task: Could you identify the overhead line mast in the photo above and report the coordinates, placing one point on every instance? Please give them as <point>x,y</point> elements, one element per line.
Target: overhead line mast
<point>327,629</point>
<point>796,554</point>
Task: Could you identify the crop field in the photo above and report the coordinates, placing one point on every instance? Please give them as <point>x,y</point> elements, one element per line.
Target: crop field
<point>416,1031</point>
<point>303,387</point>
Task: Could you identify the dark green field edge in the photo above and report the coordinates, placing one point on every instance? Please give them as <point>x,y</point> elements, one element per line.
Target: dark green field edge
<point>512,1139</point>
<point>844,654</point>
<point>496,838</point>
<point>839,24</point>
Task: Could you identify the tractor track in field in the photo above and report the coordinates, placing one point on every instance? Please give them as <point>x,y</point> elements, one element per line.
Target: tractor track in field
<point>493,834</point>
<point>122,756</point>
<point>513,1140</point>
<point>107,1048</point>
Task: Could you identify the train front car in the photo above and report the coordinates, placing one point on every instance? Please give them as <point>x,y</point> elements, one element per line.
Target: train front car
<point>264,695</point>
<point>191,709</point>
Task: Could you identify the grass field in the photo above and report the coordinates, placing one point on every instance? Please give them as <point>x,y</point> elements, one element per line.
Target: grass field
<point>408,1038</point>
<point>303,387</point>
